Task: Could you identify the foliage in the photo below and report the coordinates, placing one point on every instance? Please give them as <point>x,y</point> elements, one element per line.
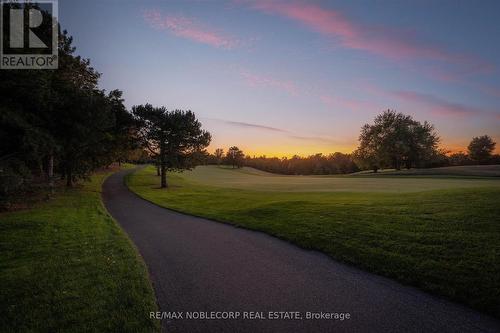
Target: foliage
<point>175,137</point>
<point>59,118</point>
<point>318,164</point>
<point>481,148</point>
<point>219,155</point>
<point>396,140</point>
<point>234,157</point>
<point>459,158</point>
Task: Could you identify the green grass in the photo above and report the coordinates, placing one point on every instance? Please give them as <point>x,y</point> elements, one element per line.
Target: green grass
<point>66,266</point>
<point>445,240</point>
<point>252,179</point>
<point>466,170</point>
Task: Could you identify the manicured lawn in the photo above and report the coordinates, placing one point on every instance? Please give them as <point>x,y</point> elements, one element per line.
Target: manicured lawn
<point>252,179</point>
<point>65,266</point>
<point>446,240</point>
<point>466,170</point>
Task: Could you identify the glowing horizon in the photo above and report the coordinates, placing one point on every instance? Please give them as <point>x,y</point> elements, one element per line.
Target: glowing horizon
<point>289,151</point>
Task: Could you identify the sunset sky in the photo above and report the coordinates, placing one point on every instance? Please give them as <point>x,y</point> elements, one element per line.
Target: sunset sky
<point>295,77</point>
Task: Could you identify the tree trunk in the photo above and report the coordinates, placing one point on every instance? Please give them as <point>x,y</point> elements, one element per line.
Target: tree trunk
<point>163,176</point>
<point>163,168</point>
<point>397,164</point>
<point>69,177</point>
<point>50,168</point>
<point>50,172</point>
<point>40,169</point>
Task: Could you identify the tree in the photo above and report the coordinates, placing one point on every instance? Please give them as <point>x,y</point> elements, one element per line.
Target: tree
<point>459,158</point>
<point>174,137</point>
<point>481,149</point>
<point>369,154</point>
<point>296,165</point>
<point>397,140</point>
<point>123,133</point>
<point>234,157</point>
<point>60,119</point>
<point>219,154</point>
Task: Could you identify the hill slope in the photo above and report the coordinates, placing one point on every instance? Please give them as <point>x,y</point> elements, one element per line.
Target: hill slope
<point>466,170</point>
<point>252,179</point>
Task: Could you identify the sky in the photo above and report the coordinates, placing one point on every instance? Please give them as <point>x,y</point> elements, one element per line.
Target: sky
<point>279,78</point>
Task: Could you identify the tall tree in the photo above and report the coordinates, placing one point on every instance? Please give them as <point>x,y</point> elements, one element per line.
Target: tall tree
<point>62,118</point>
<point>369,154</point>
<point>396,140</point>
<point>481,148</point>
<point>219,154</point>
<point>58,121</point>
<point>174,137</point>
<point>123,138</point>
<point>234,157</point>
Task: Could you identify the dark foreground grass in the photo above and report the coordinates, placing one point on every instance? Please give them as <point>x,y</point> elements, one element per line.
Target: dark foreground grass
<point>443,241</point>
<point>65,266</point>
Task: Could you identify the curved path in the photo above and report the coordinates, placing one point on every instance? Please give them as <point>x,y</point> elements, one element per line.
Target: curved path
<point>199,265</point>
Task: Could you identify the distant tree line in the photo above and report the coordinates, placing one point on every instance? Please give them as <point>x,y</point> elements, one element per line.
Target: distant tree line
<point>394,140</point>
<point>318,164</point>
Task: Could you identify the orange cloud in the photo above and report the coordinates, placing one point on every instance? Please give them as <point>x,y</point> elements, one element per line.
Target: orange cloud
<point>190,29</point>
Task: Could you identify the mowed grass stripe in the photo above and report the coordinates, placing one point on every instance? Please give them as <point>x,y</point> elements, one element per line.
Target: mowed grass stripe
<point>445,241</point>
<point>251,179</point>
<point>66,266</point>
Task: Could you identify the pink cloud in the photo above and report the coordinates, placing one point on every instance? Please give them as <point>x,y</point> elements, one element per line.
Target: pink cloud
<point>429,102</point>
<point>258,80</point>
<point>389,43</point>
<point>190,29</point>
<point>442,107</point>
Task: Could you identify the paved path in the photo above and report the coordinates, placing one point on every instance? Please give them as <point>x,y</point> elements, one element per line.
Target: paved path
<point>200,265</point>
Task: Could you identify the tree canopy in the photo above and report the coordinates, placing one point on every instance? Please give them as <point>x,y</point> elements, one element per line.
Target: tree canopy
<point>481,149</point>
<point>219,155</point>
<point>58,121</point>
<point>396,140</point>
<point>175,137</point>
<point>317,164</point>
<point>234,157</point>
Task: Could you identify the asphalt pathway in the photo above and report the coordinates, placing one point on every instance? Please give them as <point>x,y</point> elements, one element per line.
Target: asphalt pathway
<point>200,267</point>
